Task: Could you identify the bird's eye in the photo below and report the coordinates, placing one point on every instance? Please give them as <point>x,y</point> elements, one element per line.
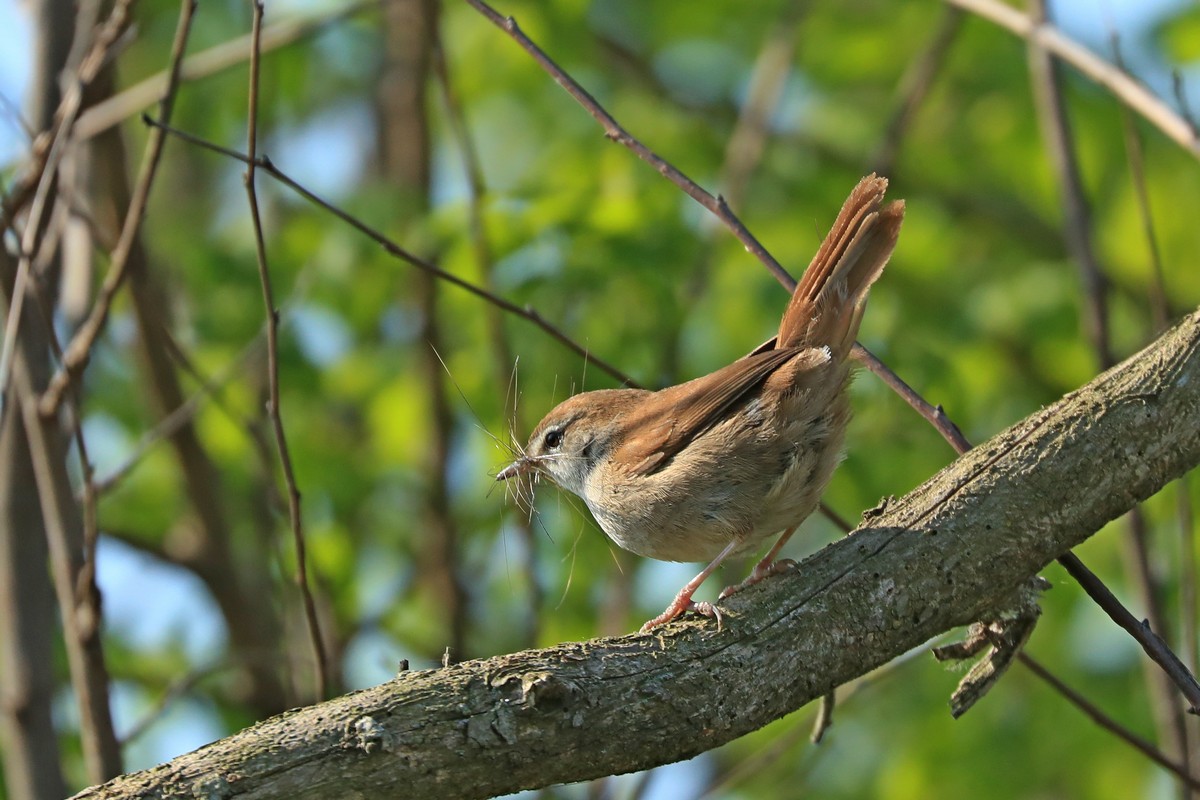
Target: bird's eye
<point>553,438</point>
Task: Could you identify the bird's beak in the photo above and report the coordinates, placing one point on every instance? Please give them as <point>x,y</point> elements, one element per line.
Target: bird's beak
<point>518,467</point>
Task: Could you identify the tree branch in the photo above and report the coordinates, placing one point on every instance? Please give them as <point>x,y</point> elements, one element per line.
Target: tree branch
<point>1127,89</point>
<point>274,414</point>
<point>953,551</point>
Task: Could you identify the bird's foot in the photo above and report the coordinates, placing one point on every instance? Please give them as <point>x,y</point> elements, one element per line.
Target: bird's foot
<point>679,606</point>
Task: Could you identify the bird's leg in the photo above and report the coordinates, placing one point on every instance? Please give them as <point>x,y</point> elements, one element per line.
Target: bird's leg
<point>683,601</point>
<point>765,568</point>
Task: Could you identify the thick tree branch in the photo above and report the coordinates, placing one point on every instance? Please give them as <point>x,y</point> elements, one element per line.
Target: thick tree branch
<point>953,551</point>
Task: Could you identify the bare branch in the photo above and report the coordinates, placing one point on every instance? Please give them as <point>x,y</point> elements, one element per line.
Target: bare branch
<point>914,88</point>
<point>614,131</point>
<point>1104,721</point>
<point>77,353</point>
<point>930,412</point>
<point>273,410</point>
<point>145,93</point>
<point>1123,86</point>
<point>1077,223</point>
<point>181,415</point>
<point>934,415</point>
<point>1140,630</point>
<point>38,186</point>
<point>525,312</point>
<point>64,533</point>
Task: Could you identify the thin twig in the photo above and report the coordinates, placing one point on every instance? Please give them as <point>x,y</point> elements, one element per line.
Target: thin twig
<point>481,246</point>
<point>43,179</point>
<point>18,195</point>
<point>166,427</point>
<point>77,353</point>
<point>1077,218</point>
<point>717,205</point>
<point>265,164</point>
<point>614,131</point>
<point>743,153</point>
<point>1190,639</point>
<point>824,719</point>
<point>1147,638</point>
<point>73,575</point>
<point>42,159</point>
<point>1160,309</point>
<point>744,150</point>
<point>1001,213</point>
<point>1108,723</point>
<point>81,626</point>
<point>935,415</point>
<point>67,535</point>
<point>129,102</point>
<point>215,387</point>
<point>17,116</point>
<point>723,785</point>
<point>1095,588</point>
<point>273,409</point>
<point>525,312</point>
<point>177,689</point>
<point>837,519</point>
<point>1122,85</point>
<point>914,88</point>
<point>90,494</point>
<point>29,242</point>
<point>210,388</point>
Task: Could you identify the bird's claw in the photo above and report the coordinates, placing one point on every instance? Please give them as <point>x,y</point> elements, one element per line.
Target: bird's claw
<point>681,606</point>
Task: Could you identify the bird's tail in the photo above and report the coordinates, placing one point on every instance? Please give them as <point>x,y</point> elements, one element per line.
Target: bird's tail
<point>827,306</point>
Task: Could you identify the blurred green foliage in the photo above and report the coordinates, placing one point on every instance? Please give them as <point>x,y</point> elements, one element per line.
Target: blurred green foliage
<point>979,311</point>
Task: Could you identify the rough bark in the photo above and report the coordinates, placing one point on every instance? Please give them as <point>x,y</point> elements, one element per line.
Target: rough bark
<point>952,551</point>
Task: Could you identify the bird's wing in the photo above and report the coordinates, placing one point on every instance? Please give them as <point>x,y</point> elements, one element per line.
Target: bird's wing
<point>685,411</point>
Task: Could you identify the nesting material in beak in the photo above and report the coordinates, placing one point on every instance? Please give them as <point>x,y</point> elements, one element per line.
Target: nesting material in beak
<point>518,467</point>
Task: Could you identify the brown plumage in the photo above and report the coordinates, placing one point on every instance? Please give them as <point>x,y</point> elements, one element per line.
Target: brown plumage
<point>714,466</point>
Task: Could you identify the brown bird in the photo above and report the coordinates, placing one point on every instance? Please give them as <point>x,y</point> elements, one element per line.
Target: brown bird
<point>706,469</point>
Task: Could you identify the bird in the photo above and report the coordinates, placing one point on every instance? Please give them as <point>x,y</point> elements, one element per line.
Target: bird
<point>713,467</point>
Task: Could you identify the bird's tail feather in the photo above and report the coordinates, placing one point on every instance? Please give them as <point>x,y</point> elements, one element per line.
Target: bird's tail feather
<point>827,305</point>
